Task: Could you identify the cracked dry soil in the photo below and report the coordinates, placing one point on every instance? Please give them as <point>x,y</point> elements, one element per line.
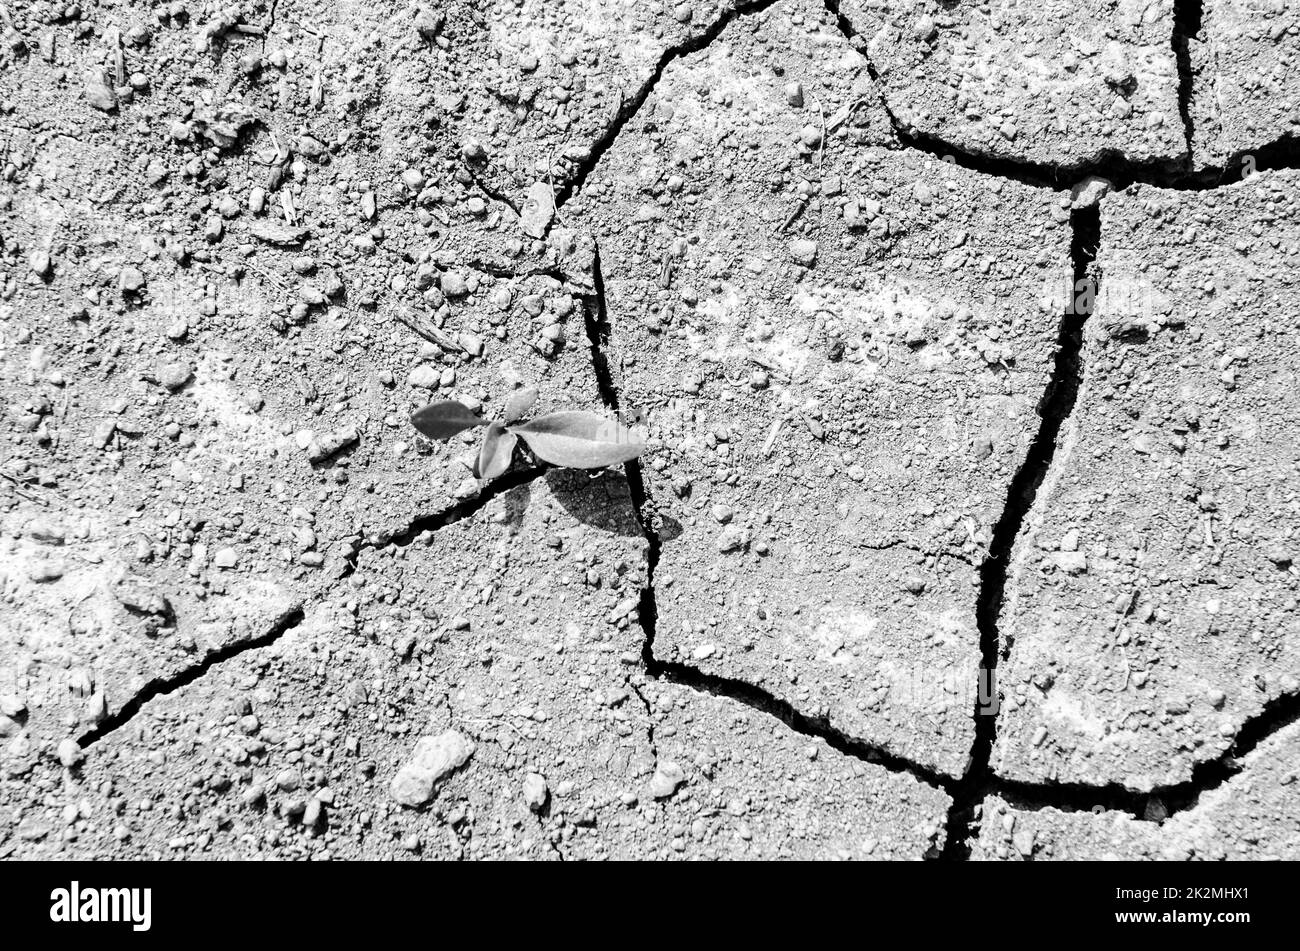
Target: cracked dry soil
<point>964,341</point>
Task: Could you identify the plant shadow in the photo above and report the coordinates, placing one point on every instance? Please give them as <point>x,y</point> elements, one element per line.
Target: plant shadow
<point>603,500</point>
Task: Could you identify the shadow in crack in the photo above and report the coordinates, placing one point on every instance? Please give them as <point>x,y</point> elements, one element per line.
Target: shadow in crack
<point>617,511</point>
<point>609,507</point>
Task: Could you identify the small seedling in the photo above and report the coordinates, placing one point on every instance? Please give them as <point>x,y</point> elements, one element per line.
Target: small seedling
<point>571,438</point>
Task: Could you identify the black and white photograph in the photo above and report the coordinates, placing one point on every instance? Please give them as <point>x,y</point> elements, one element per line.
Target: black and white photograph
<point>650,431</point>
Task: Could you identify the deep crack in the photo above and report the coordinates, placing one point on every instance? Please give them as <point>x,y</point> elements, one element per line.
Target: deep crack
<point>1172,173</point>
<point>1187,23</point>
<point>978,782</point>
<point>631,105</point>
<point>465,508</point>
<point>1054,409</point>
<point>597,324</point>
<point>161,686</point>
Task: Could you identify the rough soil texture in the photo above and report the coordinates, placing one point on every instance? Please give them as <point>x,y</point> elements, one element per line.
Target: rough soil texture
<point>839,403</point>
<point>1253,816</point>
<point>1151,610</point>
<point>1245,58</point>
<point>962,339</point>
<point>1061,83</point>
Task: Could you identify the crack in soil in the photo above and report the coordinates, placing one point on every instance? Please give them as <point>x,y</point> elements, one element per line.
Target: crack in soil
<point>979,781</point>
<point>597,323</point>
<point>465,508</point>
<point>1054,408</point>
<point>1207,775</point>
<point>630,106</point>
<point>161,686</point>
<point>1187,23</point>
<point>1173,173</point>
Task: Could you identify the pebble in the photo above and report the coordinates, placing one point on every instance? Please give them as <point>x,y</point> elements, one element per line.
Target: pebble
<point>130,280</point>
<point>1089,191</point>
<point>667,777</point>
<point>43,571</point>
<point>141,600</point>
<point>69,753</point>
<point>535,792</point>
<point>98,92</point>
<point>453,285</point>
<point>538,211</point>
<point>803,251</point>
<point>322,447</point>
<point>174,375</point>
<point>732,538</point>
<point>434,759</point>
<point>425,376</point>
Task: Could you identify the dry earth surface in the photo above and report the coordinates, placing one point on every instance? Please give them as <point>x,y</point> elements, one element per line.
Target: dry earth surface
<point>962,337</point>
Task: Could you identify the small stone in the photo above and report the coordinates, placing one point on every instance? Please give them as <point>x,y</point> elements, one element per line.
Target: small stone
<point>130,280</point>
<point>141,600</point>
<point>310,146</point>
<point>794,95</point>
<point>428,23</point>
<point>535,792</point>
<point>69,753</point>
<point>43,571</point>
<point>12,705</point>
<point>732,538</point>
<point>174,375</point>
<point>453,285</point>
<point>434,759</point>
<point>425,376</point>
<point>40,264</point>
<point>98,92</point>
<point>321,448</point>
<point>47,532</point>
<point>1089,191</point>
<point>538,211</point>
<point>803,251</point>
<point>667,777</point>
<point>226,558</point>
<point>413,179</point>
<point>1071,562</point>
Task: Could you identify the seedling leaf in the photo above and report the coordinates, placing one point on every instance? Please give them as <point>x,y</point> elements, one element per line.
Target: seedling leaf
<point>495,453</point>
<point>519,403</point>
<point>444,419</point>
<point>579,440</point>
